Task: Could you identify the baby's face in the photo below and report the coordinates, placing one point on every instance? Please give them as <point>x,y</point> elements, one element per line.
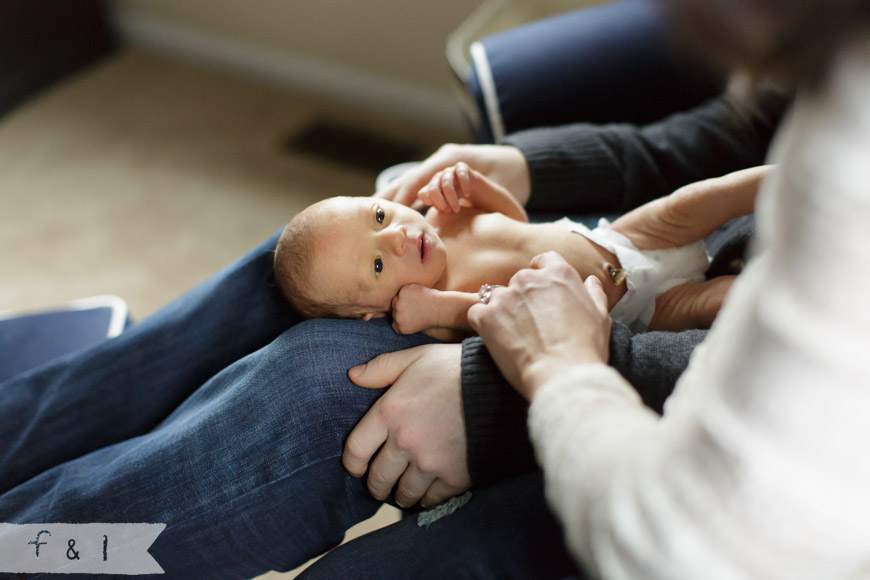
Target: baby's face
<point>368,248</point>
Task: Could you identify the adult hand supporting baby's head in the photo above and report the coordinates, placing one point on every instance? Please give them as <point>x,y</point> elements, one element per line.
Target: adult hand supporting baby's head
<point>546,320</point>
<point>503,164</point>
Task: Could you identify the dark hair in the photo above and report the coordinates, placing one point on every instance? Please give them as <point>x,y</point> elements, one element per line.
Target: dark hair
<point>789,41</point>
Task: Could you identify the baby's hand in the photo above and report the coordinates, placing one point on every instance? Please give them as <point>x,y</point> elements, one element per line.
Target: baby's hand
<point>461,186</point>
<point>447,188</point>
<point>412,310</point>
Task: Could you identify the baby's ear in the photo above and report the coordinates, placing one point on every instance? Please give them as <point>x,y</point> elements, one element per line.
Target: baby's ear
<point>371,315</point>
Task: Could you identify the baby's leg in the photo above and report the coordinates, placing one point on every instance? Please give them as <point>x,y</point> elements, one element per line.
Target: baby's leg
<point>692,212</point>
<point>690,305</point>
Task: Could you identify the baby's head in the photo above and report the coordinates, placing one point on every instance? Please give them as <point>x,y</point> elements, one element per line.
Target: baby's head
<point>347,257</point>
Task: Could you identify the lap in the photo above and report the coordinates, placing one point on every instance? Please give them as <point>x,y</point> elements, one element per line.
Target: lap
<point>502,531</point>
<point>210,416</point>
<point>125,386</point>
<point>256,447</point>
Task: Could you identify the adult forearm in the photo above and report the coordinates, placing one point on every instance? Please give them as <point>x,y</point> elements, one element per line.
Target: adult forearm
<point>585,168</point>
<point>757,469</point>
<point>495,415</point>
<point>495,419</point>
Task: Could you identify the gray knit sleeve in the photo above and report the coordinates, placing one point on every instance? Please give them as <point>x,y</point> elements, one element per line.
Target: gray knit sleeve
<point>495,415</point>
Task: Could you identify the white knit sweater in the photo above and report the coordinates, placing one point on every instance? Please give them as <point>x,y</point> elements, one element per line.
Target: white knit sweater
<point>760,467</point>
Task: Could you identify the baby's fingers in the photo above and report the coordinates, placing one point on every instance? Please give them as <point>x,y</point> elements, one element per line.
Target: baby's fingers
<point>431,194</point>
<point>425,196</point>
<point>448,188</point>
<point>463,175</point>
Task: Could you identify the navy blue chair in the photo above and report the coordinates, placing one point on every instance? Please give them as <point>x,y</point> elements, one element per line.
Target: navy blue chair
<point>584,66</point>
<point>30,340</point>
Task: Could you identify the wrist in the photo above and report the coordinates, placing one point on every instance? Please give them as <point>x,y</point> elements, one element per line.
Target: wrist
<point>452,309</point>
<point>538,373</point>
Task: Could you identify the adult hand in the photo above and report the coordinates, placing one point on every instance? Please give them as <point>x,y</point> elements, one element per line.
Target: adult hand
<point>504,164</point>
<point>417,425</point>
<point>546,320</point>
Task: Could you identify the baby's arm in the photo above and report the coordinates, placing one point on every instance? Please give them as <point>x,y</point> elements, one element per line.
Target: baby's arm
<point>472,189</point>
<point>692,212</point>
<point>418,307</point>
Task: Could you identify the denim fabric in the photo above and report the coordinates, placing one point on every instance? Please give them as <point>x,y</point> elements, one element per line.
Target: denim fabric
<point>124,387</point>
<point>504,532</point>
<point>243,467</point>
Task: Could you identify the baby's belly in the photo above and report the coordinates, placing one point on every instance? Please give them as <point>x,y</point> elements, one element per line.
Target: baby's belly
<point>584,255</point>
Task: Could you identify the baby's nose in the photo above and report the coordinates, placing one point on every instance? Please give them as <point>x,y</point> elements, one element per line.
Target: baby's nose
<point>397,237</point>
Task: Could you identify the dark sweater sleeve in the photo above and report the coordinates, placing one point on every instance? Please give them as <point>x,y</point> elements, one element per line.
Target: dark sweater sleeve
<point>495,419</point>
<point>584,168</point>
<point>495,415</point>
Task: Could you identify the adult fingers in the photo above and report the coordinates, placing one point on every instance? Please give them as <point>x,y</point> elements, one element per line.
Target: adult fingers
<point>399,192</point>
<point>546,259</point>
<point>385,469</point>
<point>478,312</point>
<point>371,431</point>
<point>596,292</point>
<point>383,370</point>
<point>404,189</point>
<point>412,485</point>
<point>439,492</point>
<point>364,441</point>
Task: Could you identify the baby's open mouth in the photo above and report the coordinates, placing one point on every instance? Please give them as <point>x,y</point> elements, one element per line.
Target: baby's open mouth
<point>424,248</point>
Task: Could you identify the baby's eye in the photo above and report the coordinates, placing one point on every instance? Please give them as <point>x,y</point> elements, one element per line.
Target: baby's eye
<point>380,215</point>
<point>379,266</point>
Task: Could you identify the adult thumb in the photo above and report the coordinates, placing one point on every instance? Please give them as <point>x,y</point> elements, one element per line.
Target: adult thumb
<point>596,292</point>
<point>383,370</point>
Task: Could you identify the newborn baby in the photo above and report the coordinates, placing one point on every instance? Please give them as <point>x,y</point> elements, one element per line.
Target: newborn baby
<point>364,257</point>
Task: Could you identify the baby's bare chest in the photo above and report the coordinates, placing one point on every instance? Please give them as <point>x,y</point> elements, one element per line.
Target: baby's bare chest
<point>489,250</point>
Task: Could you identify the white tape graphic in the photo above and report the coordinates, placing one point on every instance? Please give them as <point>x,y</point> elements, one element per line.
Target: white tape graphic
<point>79,548</point>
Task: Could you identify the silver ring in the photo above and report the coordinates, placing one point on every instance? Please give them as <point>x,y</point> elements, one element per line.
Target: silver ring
<point>485,292</point>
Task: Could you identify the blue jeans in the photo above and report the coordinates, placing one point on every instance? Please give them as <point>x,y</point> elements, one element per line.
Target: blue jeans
<point>209,417</point>
<point>213,417</point>
<point>217,418</point>
<point>504,531</point>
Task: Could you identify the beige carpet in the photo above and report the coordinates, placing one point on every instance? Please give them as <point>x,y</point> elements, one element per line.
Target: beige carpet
<point>142,176</point>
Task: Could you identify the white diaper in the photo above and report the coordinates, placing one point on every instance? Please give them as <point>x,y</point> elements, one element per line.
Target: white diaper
<point>650,272</point>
